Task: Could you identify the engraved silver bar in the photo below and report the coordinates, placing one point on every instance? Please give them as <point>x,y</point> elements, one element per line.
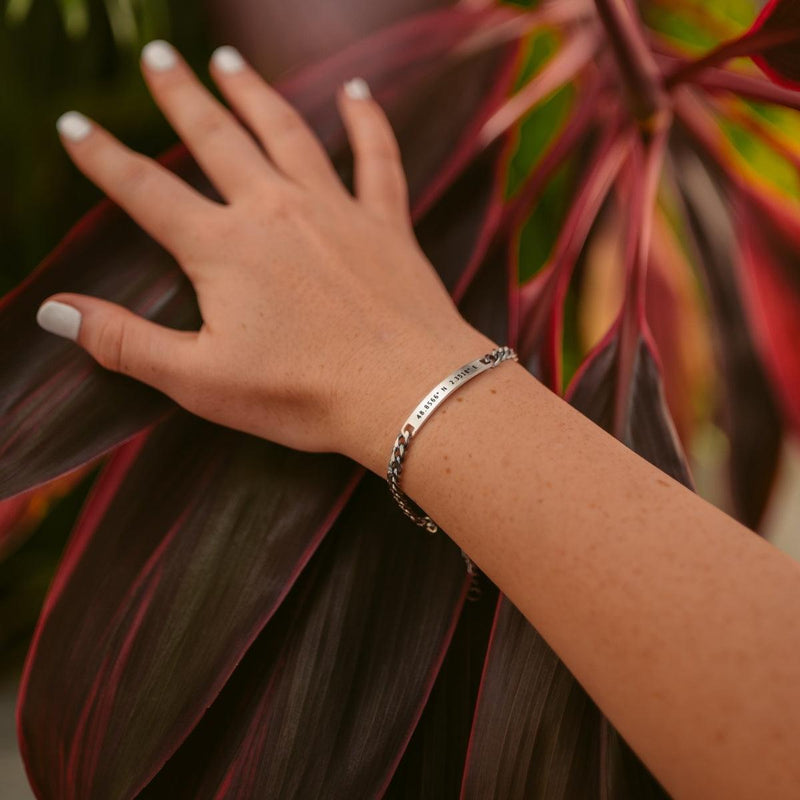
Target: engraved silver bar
<point>444,389</point>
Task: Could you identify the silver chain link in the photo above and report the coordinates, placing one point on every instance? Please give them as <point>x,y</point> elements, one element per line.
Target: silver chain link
<point>420,415</point>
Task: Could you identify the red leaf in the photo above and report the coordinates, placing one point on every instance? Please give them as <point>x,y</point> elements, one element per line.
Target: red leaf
<point>58,409</point>
<point>769,236</point>
<point>433,763</point>
<point>776,32</point>
<point>750,414</point>
<point>541,300</point>
<point>186,546</point>
<point>324,703</point>
<point>536,731</point>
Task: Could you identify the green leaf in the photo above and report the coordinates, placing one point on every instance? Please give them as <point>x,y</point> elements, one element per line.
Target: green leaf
<point>541,230</point>
<point>759,160</point>
<point>696,25</point>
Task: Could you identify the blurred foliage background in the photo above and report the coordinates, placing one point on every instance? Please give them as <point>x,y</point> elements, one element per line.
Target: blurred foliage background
<point>57,55</point>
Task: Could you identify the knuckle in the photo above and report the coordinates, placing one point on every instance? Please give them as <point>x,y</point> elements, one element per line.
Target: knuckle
<point>134,171</point>
<point>209,126</point>
<point>383,148</point>
<point>286,122</point>
<point>109,345</point>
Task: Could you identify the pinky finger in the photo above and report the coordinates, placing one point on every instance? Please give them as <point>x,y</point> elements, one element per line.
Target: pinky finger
<point>122,341</point>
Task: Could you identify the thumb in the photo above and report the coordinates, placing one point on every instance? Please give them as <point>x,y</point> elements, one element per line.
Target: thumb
<point>120,340</point>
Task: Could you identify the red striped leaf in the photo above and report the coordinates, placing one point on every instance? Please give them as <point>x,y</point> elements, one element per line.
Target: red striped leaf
<point>750,414</point>
<point>432,765</point>
<point>186,546</point>
<point>777,31</point>
<point>769,237</point>
<point>324,703</point>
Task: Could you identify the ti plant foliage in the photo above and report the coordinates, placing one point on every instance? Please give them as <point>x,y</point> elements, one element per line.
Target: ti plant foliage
<point>232,618</point>
<point>130,20</point>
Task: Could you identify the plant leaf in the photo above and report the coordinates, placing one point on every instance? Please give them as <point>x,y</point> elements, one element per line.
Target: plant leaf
<point>780,62</point>
<point>750,417</point>
<point>58,408</point>
<point>300,34</point>
<point>341,674</point>
<point>188,543</point>
<point>770,270</point>
<point>535,732</point>
<point>541,299</point>
<point>432,765</point>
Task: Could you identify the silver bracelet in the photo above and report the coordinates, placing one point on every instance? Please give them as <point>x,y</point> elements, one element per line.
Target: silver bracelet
<point>419,417</point>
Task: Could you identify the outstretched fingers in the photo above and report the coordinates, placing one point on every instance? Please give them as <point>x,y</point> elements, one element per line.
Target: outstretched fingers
<point>225,151</point>
<point>280,128</point>
<point>380,181</point>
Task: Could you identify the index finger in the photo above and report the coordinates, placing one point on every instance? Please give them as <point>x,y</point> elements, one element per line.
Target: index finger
<point>157,199</point>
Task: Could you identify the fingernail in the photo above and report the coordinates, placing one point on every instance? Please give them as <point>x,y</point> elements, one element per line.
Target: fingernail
<point>227,59</point>
<point>60,319</point>
<point>357,89</point>
<point>73,125</point>
<point>159,55</point>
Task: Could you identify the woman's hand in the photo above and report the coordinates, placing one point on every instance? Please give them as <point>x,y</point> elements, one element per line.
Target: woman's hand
<point>323,322</point>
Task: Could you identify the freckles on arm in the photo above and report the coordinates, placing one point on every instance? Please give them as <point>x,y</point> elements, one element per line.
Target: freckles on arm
<point>679,622</point>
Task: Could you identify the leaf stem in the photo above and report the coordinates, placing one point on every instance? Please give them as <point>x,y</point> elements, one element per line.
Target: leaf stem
<point>747,44</point>
<point>753,87</point>
<point>635,60</point>
<point>646,162</point>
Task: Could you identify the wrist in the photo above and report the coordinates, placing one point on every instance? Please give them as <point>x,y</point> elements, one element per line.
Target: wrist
<point>393,382</point>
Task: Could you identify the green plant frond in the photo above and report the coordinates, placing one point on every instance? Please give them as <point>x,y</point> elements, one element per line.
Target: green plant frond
<point>132,22</point>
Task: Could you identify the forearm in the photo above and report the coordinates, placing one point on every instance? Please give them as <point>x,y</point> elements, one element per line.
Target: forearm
<point>679,622</point>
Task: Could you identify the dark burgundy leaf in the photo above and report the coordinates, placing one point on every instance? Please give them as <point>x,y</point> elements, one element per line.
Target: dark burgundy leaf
<point>750,415</point>
<point>300,33</point>
<point>777,33</point>
<point>649,430</point>
<point>57,407</point>
<point>769,239</point>
<point>457,231</point>
<point>536,733</point>
<point>188,543</point>
<point>324,703</point>
<point>432,766</point>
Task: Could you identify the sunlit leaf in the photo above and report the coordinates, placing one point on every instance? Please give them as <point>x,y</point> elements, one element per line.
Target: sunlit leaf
<point>781,62</point>
<point>696,25</point>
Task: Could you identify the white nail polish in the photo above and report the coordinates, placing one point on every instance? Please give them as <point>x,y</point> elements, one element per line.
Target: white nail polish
<point>73,125</point>
<point>357,89</point>
<point>60,319</point>
<point>227,59</point>
<point>159,55</point>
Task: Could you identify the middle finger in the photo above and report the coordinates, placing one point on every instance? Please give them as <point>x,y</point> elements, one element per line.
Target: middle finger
<point>225,151</point>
